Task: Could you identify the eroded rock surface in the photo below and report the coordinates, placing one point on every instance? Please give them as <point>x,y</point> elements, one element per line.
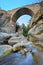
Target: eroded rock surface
<point>36,31</point>
<point>5,36</point>
<point>16,39</point>
<point>35,34</point>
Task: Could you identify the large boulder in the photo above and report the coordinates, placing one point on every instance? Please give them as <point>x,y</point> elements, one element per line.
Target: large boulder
<point>36,33</point>
<point>5,50</point>
<point>15,39</point>
<point>22,45</point>
<point>36,28</point>
<point>5,36</point>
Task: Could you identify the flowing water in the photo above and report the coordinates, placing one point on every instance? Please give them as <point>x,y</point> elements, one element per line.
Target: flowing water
<point>18,59</point>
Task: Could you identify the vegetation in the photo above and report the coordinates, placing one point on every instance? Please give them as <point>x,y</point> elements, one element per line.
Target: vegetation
<point>6,52</point>
<point>25,30</point>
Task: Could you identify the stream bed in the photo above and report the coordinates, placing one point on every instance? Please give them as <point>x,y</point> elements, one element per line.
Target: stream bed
<point>18,59</point>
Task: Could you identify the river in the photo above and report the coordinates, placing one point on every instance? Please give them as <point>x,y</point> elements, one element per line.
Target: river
<point>18,59</point>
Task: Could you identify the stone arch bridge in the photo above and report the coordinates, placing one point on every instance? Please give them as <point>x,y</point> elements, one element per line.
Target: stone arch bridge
<point>14,14</point>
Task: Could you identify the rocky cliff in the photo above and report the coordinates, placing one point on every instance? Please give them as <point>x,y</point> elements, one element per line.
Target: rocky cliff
<point>35,34</point>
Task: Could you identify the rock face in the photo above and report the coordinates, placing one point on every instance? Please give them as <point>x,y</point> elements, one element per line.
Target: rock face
<point>3,18</point>
<point>5,25</point>
<point>8,28</point>
<point>5,37</point>
<point>36,31</point>
<point>5,50</point>
<point>15,39</point>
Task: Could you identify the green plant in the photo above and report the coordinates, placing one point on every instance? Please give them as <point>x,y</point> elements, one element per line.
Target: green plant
<point>25,30</point>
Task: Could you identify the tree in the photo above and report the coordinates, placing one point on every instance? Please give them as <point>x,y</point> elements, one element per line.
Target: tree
<point>25,29</point>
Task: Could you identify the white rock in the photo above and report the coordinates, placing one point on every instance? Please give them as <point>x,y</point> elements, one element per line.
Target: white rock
<point>15,39</point>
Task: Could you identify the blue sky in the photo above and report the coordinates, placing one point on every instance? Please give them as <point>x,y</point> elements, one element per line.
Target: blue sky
<point>24,19</point>
<point>11,4</point>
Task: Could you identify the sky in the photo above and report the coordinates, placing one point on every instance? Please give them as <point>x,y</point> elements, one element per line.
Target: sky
<point>24,19</point>
<point>12,4</point>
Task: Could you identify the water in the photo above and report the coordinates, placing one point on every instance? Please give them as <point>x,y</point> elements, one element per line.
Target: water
<point>18,59</point>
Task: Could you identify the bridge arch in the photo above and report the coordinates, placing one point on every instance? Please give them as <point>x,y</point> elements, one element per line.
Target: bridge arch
<point>20,12</point>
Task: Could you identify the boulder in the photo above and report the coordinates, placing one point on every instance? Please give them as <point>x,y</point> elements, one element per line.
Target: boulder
<point>5,50</point>
<point>36,29</point>
<point>5,36</point>
<point>15,39</point>
<point>36,32</point>
<point>21,45</point>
